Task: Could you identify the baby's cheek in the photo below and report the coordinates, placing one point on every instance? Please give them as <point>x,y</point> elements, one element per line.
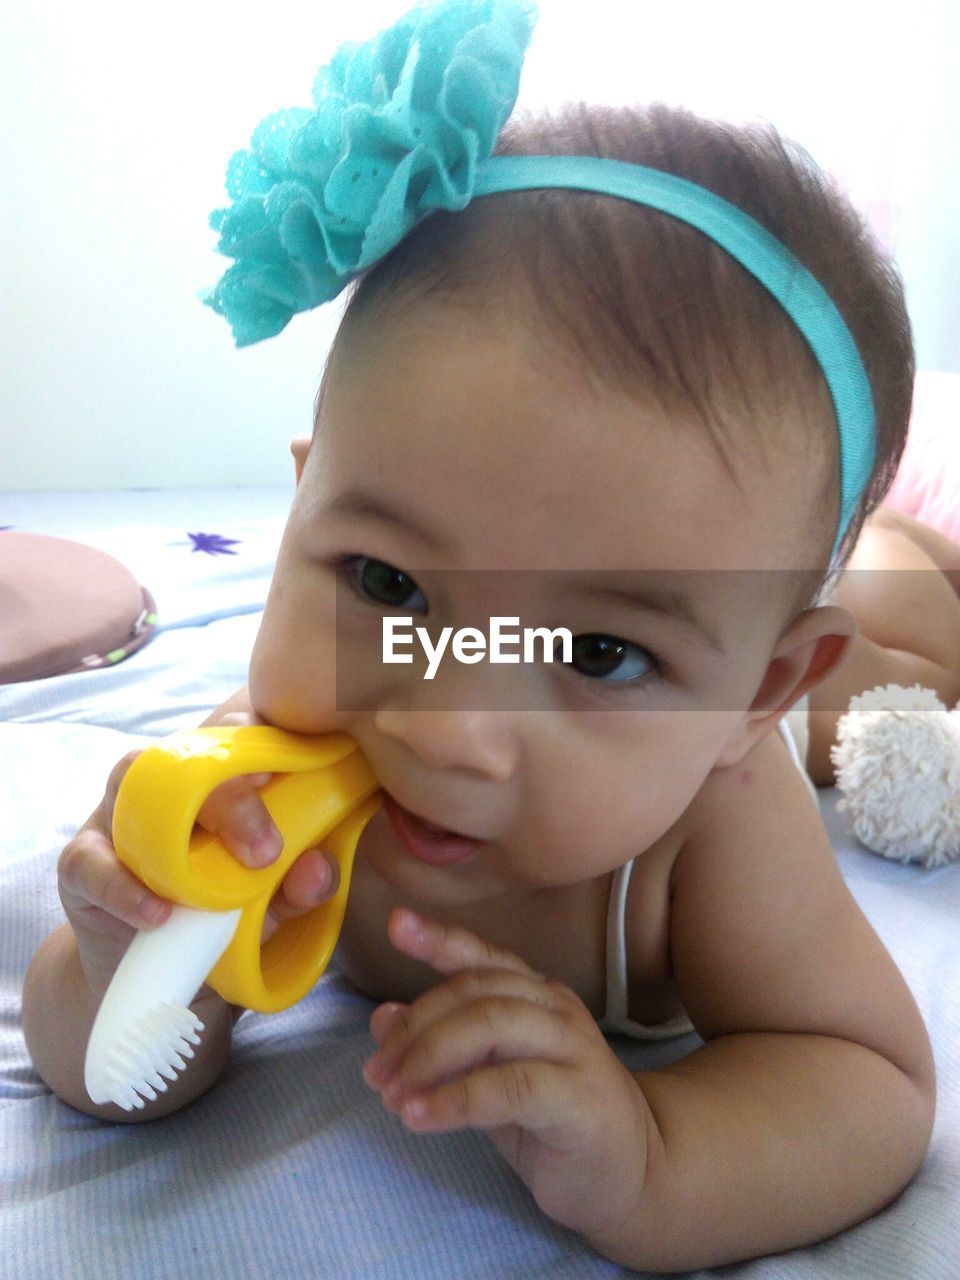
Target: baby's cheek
<point>265,676</point>
<point>291,684</point>
<point>602,819</point>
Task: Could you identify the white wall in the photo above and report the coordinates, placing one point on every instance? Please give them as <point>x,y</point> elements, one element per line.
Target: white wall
<point>117,120</point>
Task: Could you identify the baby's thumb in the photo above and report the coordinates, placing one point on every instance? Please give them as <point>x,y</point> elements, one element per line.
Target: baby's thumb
<point>313,878</point>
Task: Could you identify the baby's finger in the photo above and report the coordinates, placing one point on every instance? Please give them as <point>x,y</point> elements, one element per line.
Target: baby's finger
<point>446,947</point>
<point>391,1024</point>
<point>117,774</point>
<point>474,1001</point>
<point>231,719</point>
<point>535,1095</point>
<point>91,876</point>
<point>258,780</point>
<point>313,878</point>
<point>235,812</point>
<point>385,1016</point>
<point>498,1029</point>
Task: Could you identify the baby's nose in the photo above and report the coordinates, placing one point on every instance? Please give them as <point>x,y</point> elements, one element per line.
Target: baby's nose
<point>479,742</point>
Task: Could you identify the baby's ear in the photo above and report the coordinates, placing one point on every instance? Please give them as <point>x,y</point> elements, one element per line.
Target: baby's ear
<point>814,645</point>
<point>300,447</point>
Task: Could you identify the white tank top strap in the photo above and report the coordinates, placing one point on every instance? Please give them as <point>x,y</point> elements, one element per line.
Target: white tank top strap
<point>616,1011</point>
<point>793,730</point>
<point>616,1020</point>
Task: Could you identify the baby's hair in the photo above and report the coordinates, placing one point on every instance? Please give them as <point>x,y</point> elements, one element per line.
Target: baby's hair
<point>655,307</point>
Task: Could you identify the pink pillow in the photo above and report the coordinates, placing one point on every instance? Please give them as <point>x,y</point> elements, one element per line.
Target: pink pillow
<point>927,483</point>
<point>66,607</point>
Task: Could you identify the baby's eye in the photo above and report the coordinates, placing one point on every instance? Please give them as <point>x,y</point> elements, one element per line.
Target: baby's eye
<point>607,658</point>
<point>384,584</point>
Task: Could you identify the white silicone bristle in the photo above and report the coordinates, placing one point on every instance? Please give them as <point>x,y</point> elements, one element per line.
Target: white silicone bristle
<point>144,1029</point>
<point>149,1053</point>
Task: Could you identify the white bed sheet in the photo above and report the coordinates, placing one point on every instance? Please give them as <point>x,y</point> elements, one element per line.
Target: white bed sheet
<point>289,1167</point>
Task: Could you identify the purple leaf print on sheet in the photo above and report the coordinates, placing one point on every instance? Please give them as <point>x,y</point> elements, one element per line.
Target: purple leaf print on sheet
<point>213,544</point>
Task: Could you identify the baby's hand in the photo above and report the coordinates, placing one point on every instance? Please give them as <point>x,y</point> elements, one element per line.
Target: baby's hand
<point>499,1047</point>
<point>106,904</point>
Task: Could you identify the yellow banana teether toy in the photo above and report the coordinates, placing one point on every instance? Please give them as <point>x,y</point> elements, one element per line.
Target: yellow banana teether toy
<point>324,793</point>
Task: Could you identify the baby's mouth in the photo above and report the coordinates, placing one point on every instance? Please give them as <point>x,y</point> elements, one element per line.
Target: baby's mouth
<point>425,840</point>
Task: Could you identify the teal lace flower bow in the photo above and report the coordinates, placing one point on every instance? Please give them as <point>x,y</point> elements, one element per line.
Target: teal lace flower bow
<point>399,126</point>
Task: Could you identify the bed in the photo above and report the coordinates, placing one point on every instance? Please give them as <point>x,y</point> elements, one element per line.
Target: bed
<point>289,1167</point>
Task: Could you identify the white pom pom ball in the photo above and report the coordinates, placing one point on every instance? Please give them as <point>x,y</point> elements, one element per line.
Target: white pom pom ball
<point>897,762</point>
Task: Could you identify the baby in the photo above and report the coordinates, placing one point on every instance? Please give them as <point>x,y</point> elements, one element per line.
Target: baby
<point>595,404</point>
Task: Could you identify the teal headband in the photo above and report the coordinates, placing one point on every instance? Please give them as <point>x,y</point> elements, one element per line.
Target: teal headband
<point>406,124</point>
<point>803,298</point>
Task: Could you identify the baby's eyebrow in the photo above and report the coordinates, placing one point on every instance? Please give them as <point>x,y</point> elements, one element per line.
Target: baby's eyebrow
<point>655,597</point>
<point>353,502</point>
<point>646,597</point>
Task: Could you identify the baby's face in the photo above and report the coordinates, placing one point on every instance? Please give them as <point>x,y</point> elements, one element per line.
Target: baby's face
<point>450,446</point>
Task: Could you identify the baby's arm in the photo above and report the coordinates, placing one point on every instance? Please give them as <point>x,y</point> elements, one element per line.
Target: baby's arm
<point>105,904</point>
<point>59,1006</point>
<point>810,1105</point>
<point>807,1109</point>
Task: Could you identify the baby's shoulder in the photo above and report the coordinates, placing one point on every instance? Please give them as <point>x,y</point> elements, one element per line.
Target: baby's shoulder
<point>767,783</point>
